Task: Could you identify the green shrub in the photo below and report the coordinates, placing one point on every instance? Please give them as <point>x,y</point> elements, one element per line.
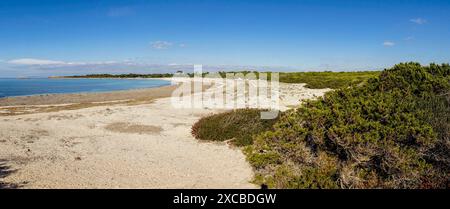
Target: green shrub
<point>333,80</point>
<point>319,80</point>
<point>238,125</point>
<point>390,132</point>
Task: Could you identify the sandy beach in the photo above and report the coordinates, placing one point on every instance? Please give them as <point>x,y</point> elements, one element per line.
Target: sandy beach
<point>128,139</point>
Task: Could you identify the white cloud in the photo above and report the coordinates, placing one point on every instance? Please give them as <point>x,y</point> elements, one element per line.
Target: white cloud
<point>182,45</point>
<point>30,61</point>
<point>410,38</point>
<point>161,44</point>
<point>419,21</point>
<point>388,44</point>
<point>53,63</point>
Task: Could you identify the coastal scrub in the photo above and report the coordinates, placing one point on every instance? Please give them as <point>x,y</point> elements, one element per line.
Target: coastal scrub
<point>392,132</point>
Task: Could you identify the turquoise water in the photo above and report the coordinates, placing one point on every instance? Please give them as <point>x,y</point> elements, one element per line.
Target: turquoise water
<point>24,87</point>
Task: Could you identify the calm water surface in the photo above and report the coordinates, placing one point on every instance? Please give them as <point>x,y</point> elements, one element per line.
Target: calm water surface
<point>24,87</point>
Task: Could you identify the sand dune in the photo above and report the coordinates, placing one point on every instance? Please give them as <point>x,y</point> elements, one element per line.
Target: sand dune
<point>120,145</point>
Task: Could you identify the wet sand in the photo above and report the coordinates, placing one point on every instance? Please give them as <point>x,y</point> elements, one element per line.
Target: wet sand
<point>55,99</point>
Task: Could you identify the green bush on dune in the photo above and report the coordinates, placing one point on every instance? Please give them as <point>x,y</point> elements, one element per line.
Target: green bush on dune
<point>238,125</point>
<point>333,80</point>
<point>391,132</point>
<point>318,80</point>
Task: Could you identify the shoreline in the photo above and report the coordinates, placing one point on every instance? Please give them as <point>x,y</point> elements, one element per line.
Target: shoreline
<point>144,145</point>
<point>117,146</point>
<point>22,97</point>
<point>291,95</point>
<point>87,97</point>
<point>141,142</point>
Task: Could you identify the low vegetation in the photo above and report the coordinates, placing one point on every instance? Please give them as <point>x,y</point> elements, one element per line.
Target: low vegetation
<point>333,80</point>
<point>131,75</point>
<point>314,80</point>
<point>320,80</point>
<point>392,131</point>
<point>239,126</point>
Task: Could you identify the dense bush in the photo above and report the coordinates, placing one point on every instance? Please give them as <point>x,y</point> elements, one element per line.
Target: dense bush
<point>391,132</point>
<point>319,80</point>
<point>239,126</point>
<point>333,80</point>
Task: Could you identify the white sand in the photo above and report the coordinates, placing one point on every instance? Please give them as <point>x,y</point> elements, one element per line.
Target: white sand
<point>141,146</point>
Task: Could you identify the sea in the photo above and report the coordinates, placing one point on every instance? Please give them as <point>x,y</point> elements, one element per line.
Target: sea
<point>10,87</point>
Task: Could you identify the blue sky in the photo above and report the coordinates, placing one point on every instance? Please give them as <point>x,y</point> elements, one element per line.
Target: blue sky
<point>49,37</point>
